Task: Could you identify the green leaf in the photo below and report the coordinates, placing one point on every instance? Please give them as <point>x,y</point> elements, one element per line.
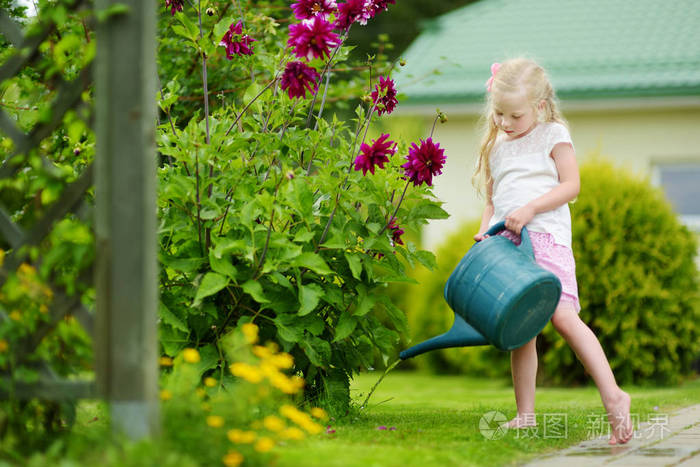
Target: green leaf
<point>309,296</point>
<point>335,241</point>
<point>426,258</point>
<point>355,263</point>
<point>428,210</point>
<point>303,236</point>
<point>222,27</point>
<point>222,265</point>
<point>168,317</point>
<point>312,261</point>
<point>364,302</point>
<point>346,325</point>
<point>211,283</point>
<point>317,350</point>
<point>289,328</point>
<point>255,290</point>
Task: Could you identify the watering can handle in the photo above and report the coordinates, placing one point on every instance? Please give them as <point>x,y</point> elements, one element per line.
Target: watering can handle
<point>525,243</point>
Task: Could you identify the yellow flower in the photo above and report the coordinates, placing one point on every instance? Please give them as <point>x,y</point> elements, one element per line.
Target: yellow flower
<point>233,459</point>
<point>239,436</point>
<point>250,331</point>
<point>26,269</point>
<point>210,382</point>
<point>319,413</point>
<point>15,315</point>
<point>311,426</point>
<point>269,370</point>
<point>264,444</point>
<point>298,382</point>
<point>284,384</point>
<point>43,308</point>
<point>247,372</point>
<point>300,418</point>
<point>165,361</point>
<point>3,344</point>
<point>215,421</point>
<point>166,395</point>
<point>262,351</point>
<point>292,433</point>
<point>191,355</point>
<point>282,360</point>
<point>273,423</point>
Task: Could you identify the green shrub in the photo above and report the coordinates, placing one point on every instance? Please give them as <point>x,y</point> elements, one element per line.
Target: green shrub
<point>429,315</point>
<point>638,283</point>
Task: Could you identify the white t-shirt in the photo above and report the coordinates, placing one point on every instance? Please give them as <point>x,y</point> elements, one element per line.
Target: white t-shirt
<point>523,170</point>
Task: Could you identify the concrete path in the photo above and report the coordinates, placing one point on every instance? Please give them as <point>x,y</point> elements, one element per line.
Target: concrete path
<point>671,439</point>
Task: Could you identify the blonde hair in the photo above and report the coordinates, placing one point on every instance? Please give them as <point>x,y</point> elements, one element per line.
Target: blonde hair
<point>513,75</point>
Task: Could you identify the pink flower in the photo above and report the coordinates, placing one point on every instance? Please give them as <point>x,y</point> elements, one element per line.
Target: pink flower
<point>381,5</point>
<point>424,162</point>
<point>312,39</point>
<point>308,9</point>
<point>174,5</point>
<point>396,233</point>
<point>353,10</point>
<point>381,427</point>
<point>236,42</point>
<point>384,96</point>
<point>297,78</point>
<point>375,155</point>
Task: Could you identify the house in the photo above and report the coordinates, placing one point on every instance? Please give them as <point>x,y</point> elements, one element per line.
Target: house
<point>627,73</point>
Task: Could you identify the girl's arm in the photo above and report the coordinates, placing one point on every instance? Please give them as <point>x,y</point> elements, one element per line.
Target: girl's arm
<point>487,214</point>
<point>568,188</point>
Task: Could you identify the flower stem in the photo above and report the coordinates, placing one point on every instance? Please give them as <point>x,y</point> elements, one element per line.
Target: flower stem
<point>249,104</point>
<point>434,123</point>
<point>371,391</point>
<point>320,78</point>
<point>323,101</point>
<point>397,207</point>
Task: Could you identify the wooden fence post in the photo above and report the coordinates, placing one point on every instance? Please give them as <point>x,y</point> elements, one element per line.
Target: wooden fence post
<point>126,277</point>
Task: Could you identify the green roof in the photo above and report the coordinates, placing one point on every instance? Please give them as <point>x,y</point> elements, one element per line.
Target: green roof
<point>591,48</point>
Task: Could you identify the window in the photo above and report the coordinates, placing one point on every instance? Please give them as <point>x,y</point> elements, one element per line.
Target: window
<point>681,183</point>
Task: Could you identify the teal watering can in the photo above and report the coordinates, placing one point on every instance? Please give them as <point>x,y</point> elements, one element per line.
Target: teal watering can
<point>499,295</point>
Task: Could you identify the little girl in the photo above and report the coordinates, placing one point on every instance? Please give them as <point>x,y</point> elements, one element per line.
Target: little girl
<point>528,168</point>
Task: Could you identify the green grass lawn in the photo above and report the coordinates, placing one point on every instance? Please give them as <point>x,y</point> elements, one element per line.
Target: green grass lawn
<point>429,420</point>
<point>436,421</point>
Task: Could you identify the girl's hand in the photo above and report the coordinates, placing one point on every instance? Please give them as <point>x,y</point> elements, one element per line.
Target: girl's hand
<point>480,236</point>
<point>519,218</point>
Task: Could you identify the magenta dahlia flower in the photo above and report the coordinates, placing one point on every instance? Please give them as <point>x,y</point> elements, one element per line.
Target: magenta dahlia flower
<point>384,96</point>
<point>312,39</point>
<point>375,155</point>
<point>309,9</point>
<point>236,42</point>
<point>381,5</point>
<point>396,231</point>
<point>424,162</point>
<point>174,5</point>
<point>297,78</point>
<point>352,11</point>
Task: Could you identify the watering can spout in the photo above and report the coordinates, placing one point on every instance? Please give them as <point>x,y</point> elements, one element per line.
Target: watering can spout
<point>461,334</point>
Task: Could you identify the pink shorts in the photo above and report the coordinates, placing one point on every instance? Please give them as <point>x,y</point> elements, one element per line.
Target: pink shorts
<point>556,258</point>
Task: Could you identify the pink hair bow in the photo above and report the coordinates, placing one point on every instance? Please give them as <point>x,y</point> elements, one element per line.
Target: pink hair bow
<point>494,70</point>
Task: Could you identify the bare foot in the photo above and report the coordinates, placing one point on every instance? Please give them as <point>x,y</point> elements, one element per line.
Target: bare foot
<point>522,421</point>
<point>619,417</point>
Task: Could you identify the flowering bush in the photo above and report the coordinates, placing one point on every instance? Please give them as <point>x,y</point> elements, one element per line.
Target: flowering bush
<point>242,413</point>
<point>274,214</point>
